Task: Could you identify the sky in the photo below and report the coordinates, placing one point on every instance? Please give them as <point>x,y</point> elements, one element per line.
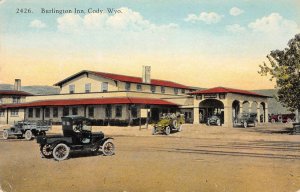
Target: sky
<point>204,43</point>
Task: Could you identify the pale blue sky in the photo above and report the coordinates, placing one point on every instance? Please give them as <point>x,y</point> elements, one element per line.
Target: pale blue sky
<point>191,36</point>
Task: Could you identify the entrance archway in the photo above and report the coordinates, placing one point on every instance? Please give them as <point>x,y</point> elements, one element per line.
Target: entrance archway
<point>235,111</point>
<point>210,107</point>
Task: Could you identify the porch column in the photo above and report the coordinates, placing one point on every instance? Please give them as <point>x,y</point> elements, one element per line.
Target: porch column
<point>266,115</point>
<point>258,114</point>
<point>196,111</point>
<point>228,116</point>
<point>241,109</point>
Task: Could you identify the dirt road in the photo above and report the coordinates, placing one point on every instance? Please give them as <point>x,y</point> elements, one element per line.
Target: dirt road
<point>218,160</point>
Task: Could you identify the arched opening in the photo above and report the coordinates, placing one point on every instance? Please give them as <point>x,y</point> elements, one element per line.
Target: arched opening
<point>262,108</point>
<point>246,107</point>
<point>210,107</point>
<point>235,111</point>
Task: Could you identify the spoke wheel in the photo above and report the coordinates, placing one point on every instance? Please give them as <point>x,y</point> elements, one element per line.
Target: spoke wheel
<point>245,124</point>
<point>108,148</point>
<point>46,151</point>
<point>218,122</point>
<point>168,130</point>
<point>28,135</point>
<point>5,134</point>
<point>180,128</point>
<point>61,152</point>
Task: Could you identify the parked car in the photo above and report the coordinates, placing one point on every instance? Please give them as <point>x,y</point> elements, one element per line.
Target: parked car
<point>284,118</point>
<point>168,123</point>
<point>77,135</point>
<point>27,129</point>
<point>248,118</point>
<point>214,120</point>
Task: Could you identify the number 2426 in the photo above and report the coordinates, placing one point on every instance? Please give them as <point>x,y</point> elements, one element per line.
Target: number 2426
<point>23,10</point>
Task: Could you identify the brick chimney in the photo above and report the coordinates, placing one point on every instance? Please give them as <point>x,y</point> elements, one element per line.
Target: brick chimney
<point>146,74</point>
<point>17,85</point>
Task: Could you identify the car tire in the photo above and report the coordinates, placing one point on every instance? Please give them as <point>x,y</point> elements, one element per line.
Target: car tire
<point>153,131</point>
<point>180,128</point>
<point>28,135</point>
<point>218,122</point>
<point>245,124</point>
<point>254,123</point>
<point>61,152</point>
<point>46,151</point>
<point>108,148</point>
<point>5,134</point>
<point>167,130</point>
<point>273,120</point>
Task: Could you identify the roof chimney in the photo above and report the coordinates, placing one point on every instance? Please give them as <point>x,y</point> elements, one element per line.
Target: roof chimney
<point>17,85</point>
<point>146,74</point>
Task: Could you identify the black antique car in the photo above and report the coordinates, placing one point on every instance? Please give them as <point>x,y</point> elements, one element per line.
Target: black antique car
<point>248,118</point>
<point>77,135</point>
<point>214,120</point>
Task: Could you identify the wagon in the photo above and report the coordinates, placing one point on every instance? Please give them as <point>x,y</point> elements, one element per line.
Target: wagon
<point>27,129</point>
<point>77,136</point>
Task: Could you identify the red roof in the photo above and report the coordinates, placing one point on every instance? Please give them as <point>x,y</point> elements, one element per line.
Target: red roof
<point>14,92</point>
<point>125,78</point>
<point>93,101</point>
<point>226,90</point>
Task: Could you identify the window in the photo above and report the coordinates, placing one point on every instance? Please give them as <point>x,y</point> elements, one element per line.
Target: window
<point>133,111</point>
<point>183,91</point>
<point>30,112</point>
<point>162,89</point>
<point>104,87</point>
<point>37,112</point>
<point>139,87</point>
<point>65,111</point>
<point>0,100</point>
<point>91,111</point>
<point>16,99</point>
<point>127,86</point>
<point>153,88</point>
<point>87,87</point>
<point>74,111</point>
<point>108,111</point>
<point>47,112</point>
<point>71,89</point>
<point>2,111</point>
<point>14,112</point>
<point>55,112</point>
<point>118,111</point>
<point>175,91</point>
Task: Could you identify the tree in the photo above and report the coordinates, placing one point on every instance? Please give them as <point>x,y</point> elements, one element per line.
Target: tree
<point>284,67</point>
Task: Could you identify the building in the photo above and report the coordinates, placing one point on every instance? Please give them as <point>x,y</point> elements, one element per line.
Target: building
<point>123,100</point>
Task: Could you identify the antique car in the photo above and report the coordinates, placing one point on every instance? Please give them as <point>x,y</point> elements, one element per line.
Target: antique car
<point>284,118</point>
<point>168,123</point>
<point>27,129</point>
<point>248,118</point>
<point>214,120</point>
<point>77,135</point>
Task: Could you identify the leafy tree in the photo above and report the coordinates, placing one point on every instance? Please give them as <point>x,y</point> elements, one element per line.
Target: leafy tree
<point>284,67</point>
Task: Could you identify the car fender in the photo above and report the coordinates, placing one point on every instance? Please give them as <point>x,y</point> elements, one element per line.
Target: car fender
<point>105,139</point>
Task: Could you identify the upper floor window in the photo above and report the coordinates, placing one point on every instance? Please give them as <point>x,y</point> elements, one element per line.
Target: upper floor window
<point>14,112</point>
<point>153,88</point>
<point>176,91</point>
<point>16,99</point>
<point>127,86</point>
<point>104,87</point>
<point>162,89</point>
<point>139,87</point>
<point>87,87</point>
<point>71,89</point>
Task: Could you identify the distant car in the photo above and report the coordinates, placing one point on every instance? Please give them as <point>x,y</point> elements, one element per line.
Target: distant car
<point>214,120</point>
<point>248,118</point>
<point>284,118</point>
<point>168,123</point>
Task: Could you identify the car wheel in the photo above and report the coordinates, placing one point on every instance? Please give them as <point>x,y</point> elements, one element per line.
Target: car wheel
<point>153,131</point>
<point>108,148</point>
<point>273,121</point>
<point>5,134</point>
<point>167,130</point>
<point>245,124</point>
<point>28,135</point>
<point>46,151</point>
<point>180,128</point>
<point>175,124</point>
<point>218,122</point>
<point>61,152</point>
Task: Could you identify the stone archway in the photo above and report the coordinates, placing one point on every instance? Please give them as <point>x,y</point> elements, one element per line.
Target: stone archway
<point>209,107</point>
<point>236,110</point>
